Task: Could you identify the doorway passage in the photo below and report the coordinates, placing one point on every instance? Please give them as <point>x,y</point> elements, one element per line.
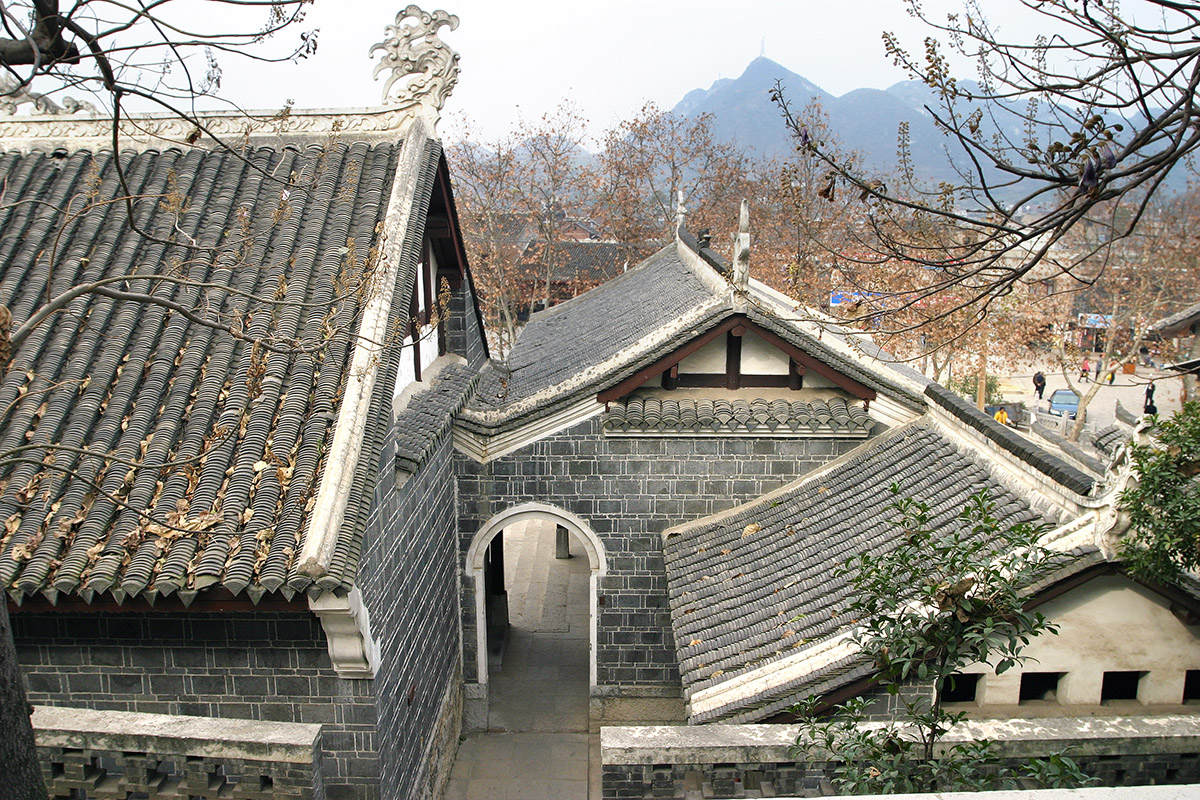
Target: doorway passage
<point>539,680</point>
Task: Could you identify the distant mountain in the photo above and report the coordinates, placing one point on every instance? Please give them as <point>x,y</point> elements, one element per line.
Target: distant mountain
<point>865,120</point>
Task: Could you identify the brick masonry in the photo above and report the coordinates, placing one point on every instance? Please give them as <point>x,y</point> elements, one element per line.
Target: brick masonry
<point>758,760</point>
<point>250,665</point>
<point>408,576</point>
<point>629,490</point>
<point>792,779</point>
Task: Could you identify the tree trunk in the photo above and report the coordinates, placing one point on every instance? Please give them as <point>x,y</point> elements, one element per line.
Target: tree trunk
<point>18,758</point>
<point>1189,381</point>
<point>981,383</point>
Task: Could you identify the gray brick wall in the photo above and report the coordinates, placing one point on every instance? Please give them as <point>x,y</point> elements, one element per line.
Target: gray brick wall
<point>463,334</point>
<point>409,578</point>
<point>628,490</point>
<point>252,665</point>
<point>795,779</point>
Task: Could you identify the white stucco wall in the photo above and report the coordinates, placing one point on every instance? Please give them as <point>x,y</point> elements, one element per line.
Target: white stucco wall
<point>761,358</point>
<point>708,360</point>
<point>1108,624</point>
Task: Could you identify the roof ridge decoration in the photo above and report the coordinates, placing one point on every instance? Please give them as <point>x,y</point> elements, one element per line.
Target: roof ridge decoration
<point>415,55</point>
<point>741,251</point>
<point>13,95</point>
<point>410,50</point>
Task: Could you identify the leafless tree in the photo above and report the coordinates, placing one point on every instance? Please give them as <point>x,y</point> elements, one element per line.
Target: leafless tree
<point>159,55</point>
<point>1076,106</point>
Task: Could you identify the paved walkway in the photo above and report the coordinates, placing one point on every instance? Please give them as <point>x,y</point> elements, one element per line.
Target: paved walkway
<point>537,745</point>
<point>1130,390</point>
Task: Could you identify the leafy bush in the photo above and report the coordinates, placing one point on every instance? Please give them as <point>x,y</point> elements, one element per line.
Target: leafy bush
<point>1164,504</point>
<point>936,603</point>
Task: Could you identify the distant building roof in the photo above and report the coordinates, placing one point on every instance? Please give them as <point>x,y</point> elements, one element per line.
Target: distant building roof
<point>1179,324</point>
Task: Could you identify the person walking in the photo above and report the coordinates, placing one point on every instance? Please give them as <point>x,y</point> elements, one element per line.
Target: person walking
<point>1085,369</point>
<point>1099,362</point>
<point>1039,383</point>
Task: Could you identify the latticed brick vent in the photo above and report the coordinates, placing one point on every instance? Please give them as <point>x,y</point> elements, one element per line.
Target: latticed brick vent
<point>106,755</point>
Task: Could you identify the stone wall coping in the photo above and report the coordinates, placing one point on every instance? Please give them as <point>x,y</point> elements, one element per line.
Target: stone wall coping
<point>165,734</point>
<point>1188,792</point>
<point>765,744</point>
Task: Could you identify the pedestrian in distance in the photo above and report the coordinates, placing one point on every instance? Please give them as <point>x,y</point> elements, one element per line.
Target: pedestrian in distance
<point>1085,369</point>
<point>1039,383</point>
<point>1098,362</point>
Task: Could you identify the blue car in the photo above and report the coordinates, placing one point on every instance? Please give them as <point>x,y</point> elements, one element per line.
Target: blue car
<point>1064,402</point>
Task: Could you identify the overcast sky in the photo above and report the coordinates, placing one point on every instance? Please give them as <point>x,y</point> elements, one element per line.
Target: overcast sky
<point>523,58</point>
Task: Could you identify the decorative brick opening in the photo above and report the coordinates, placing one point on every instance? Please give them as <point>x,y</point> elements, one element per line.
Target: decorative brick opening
<point>1191,686</point>
<point>1120,685</point>
<point>960,688</point>
<point>1040,687</point>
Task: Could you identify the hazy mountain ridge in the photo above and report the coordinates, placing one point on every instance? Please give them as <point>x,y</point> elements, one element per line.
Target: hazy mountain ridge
<point>865,121</point>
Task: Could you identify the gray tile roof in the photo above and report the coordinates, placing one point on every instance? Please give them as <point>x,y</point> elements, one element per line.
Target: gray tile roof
<point>1178,324</point>
<point>742,597</point>
<point>593,327</point>
<point>1049,465</point>
<point>594,334</point>
<point>217,446</point>
<point>691,416</point>
<point>422,425</point>
<point>1109,439</point>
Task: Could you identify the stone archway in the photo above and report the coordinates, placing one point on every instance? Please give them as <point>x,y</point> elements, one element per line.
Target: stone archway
<point>474,566</point>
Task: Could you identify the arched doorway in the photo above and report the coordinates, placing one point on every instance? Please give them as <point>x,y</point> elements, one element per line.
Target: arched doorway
<point>477,566</point>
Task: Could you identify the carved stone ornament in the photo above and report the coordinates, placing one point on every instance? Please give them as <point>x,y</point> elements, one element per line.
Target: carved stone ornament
<point>425,66</point>
<point>13,95</point>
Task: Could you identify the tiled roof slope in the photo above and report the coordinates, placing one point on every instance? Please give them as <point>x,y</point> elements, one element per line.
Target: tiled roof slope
<point>217,446</point>
<point>598,324</point>
<point>744,597</point>
<point>1049,465</point>
<point>426,419</point>
<point>660,305</point>
<point>691,416</point>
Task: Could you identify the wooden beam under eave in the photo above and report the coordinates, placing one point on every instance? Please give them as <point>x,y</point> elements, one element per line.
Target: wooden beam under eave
<point>663,364</point>
<point>852,386</point>
<point>733,358</point>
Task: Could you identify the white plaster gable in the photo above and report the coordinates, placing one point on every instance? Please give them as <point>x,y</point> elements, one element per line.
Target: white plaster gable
<point>1108,624</point>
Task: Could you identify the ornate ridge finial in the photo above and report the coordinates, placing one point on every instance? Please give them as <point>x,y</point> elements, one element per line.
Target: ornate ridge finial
<point>414,54</point>
<point>13,95</point>
<point>741,250</point>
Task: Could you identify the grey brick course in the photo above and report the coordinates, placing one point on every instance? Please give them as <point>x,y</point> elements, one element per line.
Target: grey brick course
<point>628,491</point>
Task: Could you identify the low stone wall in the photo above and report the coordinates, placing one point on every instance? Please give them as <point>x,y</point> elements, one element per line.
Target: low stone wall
<point>753,760</point>
<point>115,755</point>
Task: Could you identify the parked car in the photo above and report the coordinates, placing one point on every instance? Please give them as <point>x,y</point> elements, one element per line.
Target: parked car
<point>1064,402</point>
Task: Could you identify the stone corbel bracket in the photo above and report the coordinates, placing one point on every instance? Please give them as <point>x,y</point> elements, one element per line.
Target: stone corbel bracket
<point>347,626</point>
<point>424,65</point>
